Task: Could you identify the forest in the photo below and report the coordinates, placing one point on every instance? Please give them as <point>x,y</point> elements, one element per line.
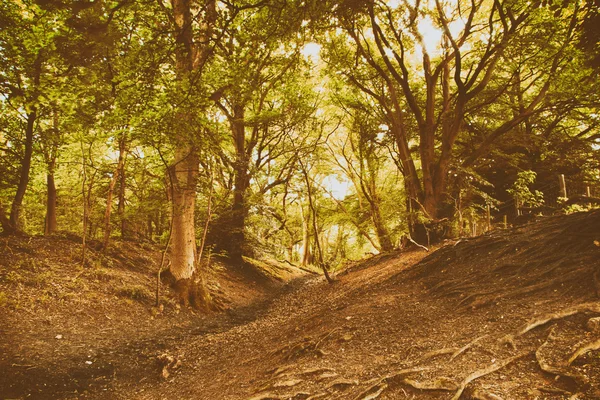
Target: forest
<point>222,141</point>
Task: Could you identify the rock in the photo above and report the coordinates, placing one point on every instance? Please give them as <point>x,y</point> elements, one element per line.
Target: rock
<point>58,337</point>
<point>593,324</point>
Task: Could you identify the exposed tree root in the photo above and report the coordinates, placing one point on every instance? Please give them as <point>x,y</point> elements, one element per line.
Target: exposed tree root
<point>265,396</point>
<point>466,347</point>
<point>341,384</point>
<point>546,367</point>
<point>584,349</point>
<point>293,351</point>
<point>473,296</point>
<point>586,307</point>
<point>379,386</point>
<point>440,352</point>
<point>479,394</point>
<point>554,390</point>
<point>441,383</point>
<point>372,392</point>
<point>483,372</point>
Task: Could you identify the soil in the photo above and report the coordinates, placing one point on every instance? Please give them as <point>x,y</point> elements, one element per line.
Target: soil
<point>512,314</point>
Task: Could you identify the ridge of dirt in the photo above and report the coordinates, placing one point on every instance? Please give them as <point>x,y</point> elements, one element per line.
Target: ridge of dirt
<point>67,328</point>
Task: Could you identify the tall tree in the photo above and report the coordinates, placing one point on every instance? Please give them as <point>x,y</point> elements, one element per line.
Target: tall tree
<point>193,26</point>
<point>429,103</point>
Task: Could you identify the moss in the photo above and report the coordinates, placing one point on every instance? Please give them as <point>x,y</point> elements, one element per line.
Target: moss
<point>135,292</point>
<point>13,277</point>
<point>3,299</point>
<point>101,274</point>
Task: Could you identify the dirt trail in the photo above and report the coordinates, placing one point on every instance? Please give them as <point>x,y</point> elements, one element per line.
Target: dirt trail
<point>508,315</point>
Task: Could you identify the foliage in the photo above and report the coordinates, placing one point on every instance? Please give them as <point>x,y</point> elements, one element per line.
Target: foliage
<point>295,98</point>
<point>521,190</point>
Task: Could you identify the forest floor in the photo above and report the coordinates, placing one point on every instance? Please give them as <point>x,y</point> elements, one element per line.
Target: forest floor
<point>512,314</point>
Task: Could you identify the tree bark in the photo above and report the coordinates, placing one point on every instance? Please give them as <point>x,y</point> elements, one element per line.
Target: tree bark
<point>25,171</point>
<point>184,174</point>
<point>382,232</point>
<point>191,54</point>
<point>50,225</point>
<point>111,188</point>
<point>121,205</point>
<point>239,208</point>
<point>306,255</point>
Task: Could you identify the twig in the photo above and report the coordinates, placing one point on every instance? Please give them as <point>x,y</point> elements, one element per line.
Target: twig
<point>417,244</point>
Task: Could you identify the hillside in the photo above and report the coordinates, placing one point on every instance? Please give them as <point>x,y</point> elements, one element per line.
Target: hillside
<point>511,314</point>
<point>65,327</point>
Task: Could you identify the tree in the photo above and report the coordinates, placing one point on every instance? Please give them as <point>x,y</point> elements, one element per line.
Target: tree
<point>193,33</point>
<point>257,93</point>
<point>458,74</point>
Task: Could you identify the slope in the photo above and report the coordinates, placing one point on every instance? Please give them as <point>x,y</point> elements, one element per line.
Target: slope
<point>66,327</point>
<point>506,315</point>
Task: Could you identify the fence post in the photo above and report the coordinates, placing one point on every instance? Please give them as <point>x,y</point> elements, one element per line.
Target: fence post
<point>563,185</point>
<point>587,191</point>
<point>517,205</point>
<point>505,222</point>
<point>489,217</point>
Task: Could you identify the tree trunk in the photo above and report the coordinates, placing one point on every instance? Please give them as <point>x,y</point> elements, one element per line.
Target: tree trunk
<point>306,256</point>
<point>191,53</point>
<point>382,233</point>
<point>121,206</point>
<point>111,188</point>
<point>184,174</point>
<point>50,225</point>
<point>239,209</point>
<point>25,170</point>
<point>313,214</point>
